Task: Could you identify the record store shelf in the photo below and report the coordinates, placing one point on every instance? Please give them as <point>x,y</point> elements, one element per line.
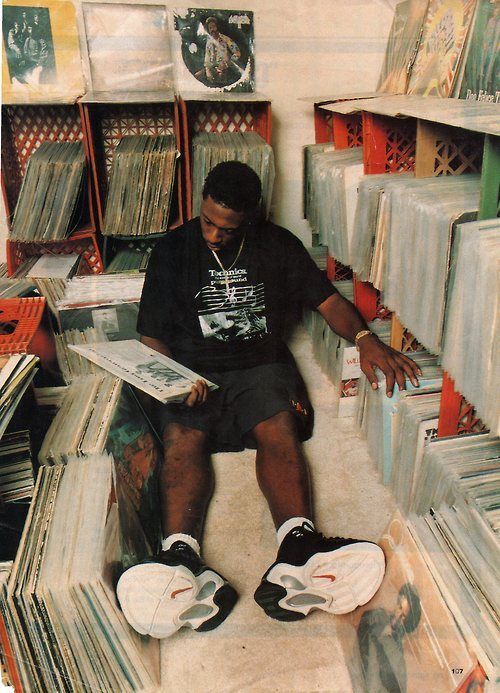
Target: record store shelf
<point>220,113</point>
<point>24,128</point>
<point>106,123</point>
<point>432,137</point>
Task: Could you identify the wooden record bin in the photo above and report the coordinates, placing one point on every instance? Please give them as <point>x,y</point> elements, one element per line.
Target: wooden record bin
<point>105,124</point>
<point>24,128</point>
<point>225,112</point>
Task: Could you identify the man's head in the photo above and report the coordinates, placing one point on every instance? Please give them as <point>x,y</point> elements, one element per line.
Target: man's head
<point>406,616</point>
<point>212,26</point>
<point>231,197</point>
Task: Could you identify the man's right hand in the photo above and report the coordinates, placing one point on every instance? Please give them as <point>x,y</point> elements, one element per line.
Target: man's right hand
<point>198,394</point>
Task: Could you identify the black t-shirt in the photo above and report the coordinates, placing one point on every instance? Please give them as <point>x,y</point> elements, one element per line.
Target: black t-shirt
<point>216,322</point>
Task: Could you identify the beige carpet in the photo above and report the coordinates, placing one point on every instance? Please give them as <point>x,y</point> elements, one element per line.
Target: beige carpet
<point>250,651</point>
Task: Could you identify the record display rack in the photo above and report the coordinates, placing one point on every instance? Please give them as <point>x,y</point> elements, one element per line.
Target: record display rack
<point>105,123</point>
<point>24,128</point>
<point>431,137</point>
<point>224,112</point>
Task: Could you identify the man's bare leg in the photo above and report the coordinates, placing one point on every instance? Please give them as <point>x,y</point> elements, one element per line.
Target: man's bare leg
<point>311,571</point>
<point>282,469</point>
<point>186,481</point>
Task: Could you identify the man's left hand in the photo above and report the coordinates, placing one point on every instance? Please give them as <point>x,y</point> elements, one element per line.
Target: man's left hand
<point>395,366</point>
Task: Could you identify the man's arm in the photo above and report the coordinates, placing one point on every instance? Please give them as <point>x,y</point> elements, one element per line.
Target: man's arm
<point>345,320</point>
<point>199,391</point>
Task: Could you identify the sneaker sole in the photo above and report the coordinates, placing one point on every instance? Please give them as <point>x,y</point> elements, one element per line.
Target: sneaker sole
<point>157,600</point>
<point>336,581</point>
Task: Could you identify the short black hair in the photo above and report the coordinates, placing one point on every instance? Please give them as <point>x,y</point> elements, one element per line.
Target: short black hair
<point>234,185</point>
<point>412,619</point>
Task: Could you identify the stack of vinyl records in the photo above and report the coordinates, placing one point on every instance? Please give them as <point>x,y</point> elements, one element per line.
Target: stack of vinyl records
<point>309,189</point>
<point>405,638</point>
<point>82,424</point>
<point>370,223</point>
<point>16,468</point>
<point>101,289</point>
<point>463,554</point>
<point>141,186</point>
<point>464,466</point>
<point>422,217</point>
<point>375,413</point>
<point>16,288</point>
<point>65,624</point>
<point>51,397</point>
<point>73,365</point>
<point>210,149</point>
<point>319,254</point>
<point>129,260</point>
<point>50,193</point>
<point>335,179</point>
<point>53,290</point>
<point>414,423</point>
<point>17,372</point>
<point>471,354</point>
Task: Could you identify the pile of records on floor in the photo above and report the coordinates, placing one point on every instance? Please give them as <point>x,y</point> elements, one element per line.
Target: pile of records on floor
<point>376,412</point>
<point>141,186</point>
<point>337,357</point>
<point>16,373</point>
<point>63,619</point>
<point>405,638</point>
<point>92,516</point>
<point>457,498</point>
<point>109,302</point>
<point>414,422</point>
<point>48,202</point>
<point>16,468</point>
<point>71,364</point>
<point>82,424</point>
<point>210,149</point>
<point>335,177</point>
<point>471,354</point>
<point>53,290</point>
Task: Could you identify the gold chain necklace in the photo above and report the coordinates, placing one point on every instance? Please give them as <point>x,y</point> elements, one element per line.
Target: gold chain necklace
<point>226,270</point>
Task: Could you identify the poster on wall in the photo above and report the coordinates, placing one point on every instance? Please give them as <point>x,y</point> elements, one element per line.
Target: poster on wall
<point>213,50</point>
<point>41,54</point>
<point>438,60</point>
<point>128,48</point>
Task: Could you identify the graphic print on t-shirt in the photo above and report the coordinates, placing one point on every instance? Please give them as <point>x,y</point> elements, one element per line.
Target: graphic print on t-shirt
<point>234,311</point>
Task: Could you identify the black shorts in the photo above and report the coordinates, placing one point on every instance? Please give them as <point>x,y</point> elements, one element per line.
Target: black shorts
<point>244,399</point>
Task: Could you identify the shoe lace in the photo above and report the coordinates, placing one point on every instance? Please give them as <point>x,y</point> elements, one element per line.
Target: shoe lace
<point>304,530</point>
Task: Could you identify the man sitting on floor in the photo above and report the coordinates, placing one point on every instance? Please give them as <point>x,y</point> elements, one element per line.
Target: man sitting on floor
<point>215,296</point>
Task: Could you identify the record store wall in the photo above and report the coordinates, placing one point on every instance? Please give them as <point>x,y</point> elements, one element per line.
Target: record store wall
<point>302,48</point>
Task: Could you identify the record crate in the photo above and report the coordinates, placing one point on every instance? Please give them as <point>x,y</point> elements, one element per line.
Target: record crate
<point>82,242</point>
<point>224,112</point>
<point>25,329</point>
<point>24,129</point>
<point>107,122</point>
<point>113,244</point>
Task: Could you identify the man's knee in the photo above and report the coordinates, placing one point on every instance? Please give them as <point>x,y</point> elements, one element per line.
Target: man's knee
<point>178,437</point>
<point>278,428</point>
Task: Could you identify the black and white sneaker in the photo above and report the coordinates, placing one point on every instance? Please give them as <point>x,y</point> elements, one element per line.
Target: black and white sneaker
<point>172,590</point>
<point>315,572</point>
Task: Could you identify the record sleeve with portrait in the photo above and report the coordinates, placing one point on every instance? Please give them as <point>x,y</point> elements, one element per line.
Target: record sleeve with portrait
<point>213,50</point>
<point>405,638</point>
